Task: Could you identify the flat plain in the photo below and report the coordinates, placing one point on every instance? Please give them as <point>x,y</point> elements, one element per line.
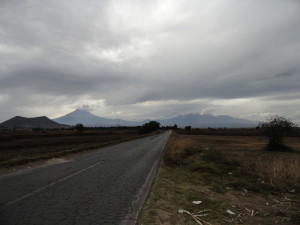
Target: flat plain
<point>225,173</point>
<point>23,147</point>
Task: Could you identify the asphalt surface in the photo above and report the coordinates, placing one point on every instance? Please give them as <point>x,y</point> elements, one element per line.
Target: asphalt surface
<point>107,186</point>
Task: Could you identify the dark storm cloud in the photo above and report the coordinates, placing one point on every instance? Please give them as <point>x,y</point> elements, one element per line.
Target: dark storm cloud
<point>114,56</point>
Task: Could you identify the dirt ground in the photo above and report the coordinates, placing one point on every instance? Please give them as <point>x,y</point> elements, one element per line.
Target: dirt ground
<point>225,173</point>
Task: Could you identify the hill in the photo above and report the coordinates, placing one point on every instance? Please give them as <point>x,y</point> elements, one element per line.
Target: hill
<point>19,122</point>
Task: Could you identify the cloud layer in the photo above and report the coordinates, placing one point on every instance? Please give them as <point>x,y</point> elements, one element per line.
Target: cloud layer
<point>150,59</point>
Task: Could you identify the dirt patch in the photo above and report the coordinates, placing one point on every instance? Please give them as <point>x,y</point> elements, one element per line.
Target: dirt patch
<point>58,160</point>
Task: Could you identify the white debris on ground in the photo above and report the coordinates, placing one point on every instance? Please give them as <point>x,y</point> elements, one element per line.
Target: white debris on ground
<point>197,202</point>
<point>230,212</point>
<point>197,215</point>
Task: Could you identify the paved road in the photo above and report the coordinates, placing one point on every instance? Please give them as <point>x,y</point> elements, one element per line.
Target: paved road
<point>107,187</point>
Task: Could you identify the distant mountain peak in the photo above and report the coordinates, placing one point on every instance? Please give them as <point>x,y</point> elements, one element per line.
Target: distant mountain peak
<point>89,119</point>
<point>81,112</point>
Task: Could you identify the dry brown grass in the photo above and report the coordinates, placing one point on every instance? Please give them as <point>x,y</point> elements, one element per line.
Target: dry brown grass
<point>231,172</point>
<point>179,149</point>
<point>279,169</point>
<point>276,169</point>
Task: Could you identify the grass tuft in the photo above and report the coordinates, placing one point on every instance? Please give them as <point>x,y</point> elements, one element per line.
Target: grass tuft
<point>254,187</point>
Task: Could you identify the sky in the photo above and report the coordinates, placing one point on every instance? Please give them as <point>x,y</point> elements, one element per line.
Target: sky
<point>150,59</point>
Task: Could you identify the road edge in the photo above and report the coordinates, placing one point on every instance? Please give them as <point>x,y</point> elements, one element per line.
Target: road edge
<point>134,217</point>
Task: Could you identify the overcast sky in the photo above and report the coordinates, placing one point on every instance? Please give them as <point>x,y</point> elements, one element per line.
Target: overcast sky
<point>138,59</point>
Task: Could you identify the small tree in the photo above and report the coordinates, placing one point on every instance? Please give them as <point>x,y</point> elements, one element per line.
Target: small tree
<point>188,128</point>
<point>79,127</point>
<point>275,128</point>
<point>149,127</point>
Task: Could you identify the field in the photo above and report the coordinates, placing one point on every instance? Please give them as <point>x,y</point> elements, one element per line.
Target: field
<point>225,173</point>
<point>21,147</point>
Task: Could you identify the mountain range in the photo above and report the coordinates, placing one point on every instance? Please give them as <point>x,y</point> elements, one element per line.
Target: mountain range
<point>197,120</point>
<point>88,119</point>
<point>193,119</point>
